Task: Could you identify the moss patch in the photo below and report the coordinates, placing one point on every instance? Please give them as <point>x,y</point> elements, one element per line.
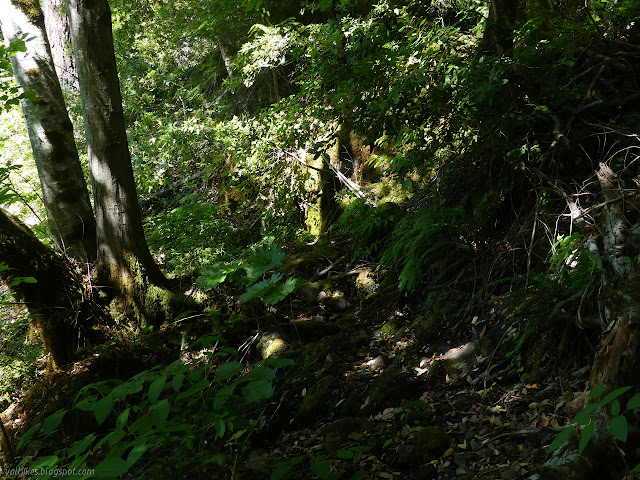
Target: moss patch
<point>430,443</point>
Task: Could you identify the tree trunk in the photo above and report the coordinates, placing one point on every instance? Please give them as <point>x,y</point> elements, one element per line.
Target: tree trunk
<point>124,260</point>
<point>617,361</point>
<point>58,31</point>
<point>64,188</point>
<point>498,32</point>
<point>60,312</point>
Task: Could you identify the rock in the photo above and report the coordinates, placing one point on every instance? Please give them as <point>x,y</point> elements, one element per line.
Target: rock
<point>349,428</point>
<point>377,363</point>
<point>270,344</point>
<point>316,399</point>
<point>358,338</point>
<point>430,443</point>
<point>336,304</point>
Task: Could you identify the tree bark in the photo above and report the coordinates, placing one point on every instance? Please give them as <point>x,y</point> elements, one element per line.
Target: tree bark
<point>59,34</point>
<point>60,312</point>
<point>64,188</point>
<point>124,260</point>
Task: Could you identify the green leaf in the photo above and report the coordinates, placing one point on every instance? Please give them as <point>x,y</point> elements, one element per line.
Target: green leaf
<point>25,438</point>
<point>615,408</point>
<point>562,438</point>
<point>282,468</point>
<point>111,467</point>
<point>176,383</point>
<point>121,422</point>
<point>211,277</point>
<point>160,412</point>
<point>584,416</point>
<point>280,291</point>
<point>264,259</point>
<point>585,436</point>
<point>103,408</point>
<point>277,362</point>
<point>49,461</point>
<point>228,370</point>
<point>618,428</point>
<point>135,453</point>
<point>258,390</point>
<point>115,436</point>
<point>261,372</point>
<point>321,468</point>
<point>636,468</point>
<point>260,288</point>
<point>615,394</point>
<point>80,446</point>
<point>634,402</point>
<point>359,476</point>
<point>597,391</point>
<point>220,427</point>
<point>52,422</point>
<point>345,453</point>
<point>155,389</point>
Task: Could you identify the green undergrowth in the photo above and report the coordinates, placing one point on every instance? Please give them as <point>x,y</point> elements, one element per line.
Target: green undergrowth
<point>195,415</point>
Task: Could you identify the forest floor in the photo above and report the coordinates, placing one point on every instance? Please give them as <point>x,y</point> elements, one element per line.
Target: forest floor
<point>388,394</point>
<point>379,389</point>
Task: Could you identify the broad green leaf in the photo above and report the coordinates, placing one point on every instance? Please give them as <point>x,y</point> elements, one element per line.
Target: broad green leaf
<point>276,362</point>
<point>585,436</point>
<point>155,389</point>
<point>615,407</point>
<point>87,404</point>
<point>103,408</point>
<point>176,383</point>
<point>265,258</point>
<point>618,427</point>
<point>160,412</point>
<point>49,461</point>
<point>281,290</point>
<point>220,427</point>
<point>25,438</point>
<point>282,468</point>
<point>80,446</point>
<point>615,394</point>
<point>52,422</point>
<point>260,288</point>
<point>359,476</point>
<point>260,372</point>
<point>562,438</point>
<point>584,416</point>
<point>345,453</point>
<point>634,402</point>
<point>227,370</point>
<point>115,436</point>
<point>121,422</point>
<point>211,277</point>
<point>636,468</point>
<point>135,453</point>
<point>111,467</point>
<point>597,391</point>
<point>258,390</point>
<point>321,468</point>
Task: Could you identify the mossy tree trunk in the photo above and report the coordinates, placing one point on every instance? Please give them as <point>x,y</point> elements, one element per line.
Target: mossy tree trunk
<point>124,260</point>
<point>60,312</point>
<point>64,188</point>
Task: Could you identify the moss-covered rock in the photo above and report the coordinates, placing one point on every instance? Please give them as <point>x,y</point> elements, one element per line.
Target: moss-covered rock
<point>388,390</point>
<point>316,399</point>
<point>419,413</point>
<point>430,443</point>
